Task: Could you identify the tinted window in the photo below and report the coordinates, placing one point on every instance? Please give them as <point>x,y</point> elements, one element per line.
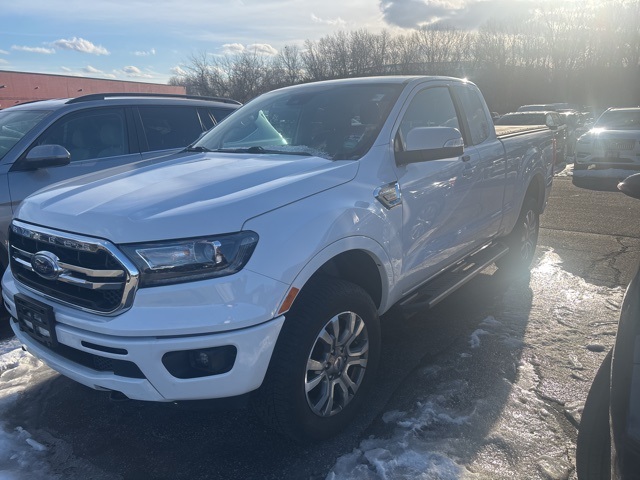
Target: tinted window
<point>620,119</point>
<point>170,127</point>
<point>474,112</point>
<point>91,134</point>
<point>15,124</point>
<point>207,119</point>
<point>431,107</point>
<point>219,113</point>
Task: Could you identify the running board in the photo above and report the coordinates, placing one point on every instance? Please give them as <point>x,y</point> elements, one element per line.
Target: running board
<point>450,280</point>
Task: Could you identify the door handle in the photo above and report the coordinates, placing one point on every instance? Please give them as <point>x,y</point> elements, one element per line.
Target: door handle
<point>466,158</point>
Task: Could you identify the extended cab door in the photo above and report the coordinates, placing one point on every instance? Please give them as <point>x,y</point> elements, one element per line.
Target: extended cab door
<point>96,139</point>
<point>488,162</point>
<point>438,196</point>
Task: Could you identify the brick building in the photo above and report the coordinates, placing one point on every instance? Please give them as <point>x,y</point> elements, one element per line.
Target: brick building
<point>20,87</point>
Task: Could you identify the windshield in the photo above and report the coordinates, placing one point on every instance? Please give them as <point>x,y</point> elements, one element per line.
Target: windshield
<point>619,119</point>
<point>331,121</point>
<point>15,125</point>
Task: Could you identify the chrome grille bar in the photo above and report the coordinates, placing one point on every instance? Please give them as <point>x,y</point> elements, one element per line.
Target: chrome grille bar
<point>80,259</point>
<point>89,272</point>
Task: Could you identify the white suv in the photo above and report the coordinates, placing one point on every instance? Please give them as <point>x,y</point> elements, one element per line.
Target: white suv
<point>613,142</point>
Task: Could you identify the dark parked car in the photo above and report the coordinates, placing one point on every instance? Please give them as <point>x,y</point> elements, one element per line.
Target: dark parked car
<point>53,140</point>
<point>609,436</point>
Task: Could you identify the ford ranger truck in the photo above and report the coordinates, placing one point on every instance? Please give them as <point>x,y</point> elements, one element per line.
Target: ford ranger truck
<point>259,260</point>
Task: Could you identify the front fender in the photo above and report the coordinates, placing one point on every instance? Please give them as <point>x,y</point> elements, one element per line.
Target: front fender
<point>365,244</point>
<point>297,239</point>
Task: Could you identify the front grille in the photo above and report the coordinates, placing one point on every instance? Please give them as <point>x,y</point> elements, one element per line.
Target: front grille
<point>90,274</point>
<point>620,144</point>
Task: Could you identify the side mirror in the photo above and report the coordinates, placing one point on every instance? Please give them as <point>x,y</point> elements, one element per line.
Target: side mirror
<point>44,156</point>
<point>430,143</point>
<point>551,123</point>
<point>631,186</point>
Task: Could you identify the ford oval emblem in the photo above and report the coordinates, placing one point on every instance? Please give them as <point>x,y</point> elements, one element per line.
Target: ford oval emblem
<point>46,265</point>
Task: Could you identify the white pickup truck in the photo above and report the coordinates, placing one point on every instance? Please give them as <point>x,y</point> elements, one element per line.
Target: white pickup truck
<point>258,260</point>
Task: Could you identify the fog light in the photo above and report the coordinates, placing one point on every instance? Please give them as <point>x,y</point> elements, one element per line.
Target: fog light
<point>200,363</point>
<point>212,360</point>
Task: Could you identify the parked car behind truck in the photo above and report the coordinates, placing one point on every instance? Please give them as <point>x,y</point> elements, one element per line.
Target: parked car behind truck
<point>612,142</point>
<point>259,261</point>
<point>551,119</point>
<point>52,140</point>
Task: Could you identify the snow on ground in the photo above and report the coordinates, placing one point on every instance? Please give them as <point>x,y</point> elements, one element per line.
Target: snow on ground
<point>22,457</point>
<point>497,406</point>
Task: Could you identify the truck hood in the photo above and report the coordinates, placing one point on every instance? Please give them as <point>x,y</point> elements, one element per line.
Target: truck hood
<point>181,196</point>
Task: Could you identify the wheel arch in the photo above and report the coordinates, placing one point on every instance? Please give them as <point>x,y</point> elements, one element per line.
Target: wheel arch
<point>359,260</point>
<point>536,190</point>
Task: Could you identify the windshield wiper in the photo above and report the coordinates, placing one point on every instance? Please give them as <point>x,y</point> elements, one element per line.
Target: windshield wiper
<point>192,148</point>
<point>256,149</point>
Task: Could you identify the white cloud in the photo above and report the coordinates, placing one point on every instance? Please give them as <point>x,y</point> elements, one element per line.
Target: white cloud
<point>4,52</point>
<point>142,53</point>
<point>131,70</point>
<point>258,48</point>
<point>135,72</point>
<point>42,50</point>
<point>328,21</point>
<point>262,49</point>
<point>177,70</point>
<point>3,61</point>
<point>233,48</point>
<point>80,45</point>
<point>90,69</point>
<point>465,14</point>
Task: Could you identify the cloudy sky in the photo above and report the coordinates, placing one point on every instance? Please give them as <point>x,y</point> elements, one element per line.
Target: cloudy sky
<point>151,40</point>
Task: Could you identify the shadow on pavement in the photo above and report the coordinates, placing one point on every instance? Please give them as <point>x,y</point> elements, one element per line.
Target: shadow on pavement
<point>135,439</point>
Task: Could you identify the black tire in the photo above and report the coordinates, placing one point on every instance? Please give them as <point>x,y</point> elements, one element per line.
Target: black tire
<point>308,361</point>
<point>593,450</point>
<point>523,238</point>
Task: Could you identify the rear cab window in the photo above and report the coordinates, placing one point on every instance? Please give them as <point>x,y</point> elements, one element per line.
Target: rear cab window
<point>479,124</point>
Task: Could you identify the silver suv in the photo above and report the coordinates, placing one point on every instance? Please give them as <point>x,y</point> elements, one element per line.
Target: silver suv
<point>53,140</point>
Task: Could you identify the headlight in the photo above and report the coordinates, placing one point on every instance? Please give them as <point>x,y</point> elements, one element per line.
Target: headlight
<point>177,261</point>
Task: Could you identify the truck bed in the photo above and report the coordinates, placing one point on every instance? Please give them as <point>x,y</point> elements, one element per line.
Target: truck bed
<point>505,131</point>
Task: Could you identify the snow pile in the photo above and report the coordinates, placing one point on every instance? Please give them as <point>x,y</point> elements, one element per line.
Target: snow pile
<point>22,457</point>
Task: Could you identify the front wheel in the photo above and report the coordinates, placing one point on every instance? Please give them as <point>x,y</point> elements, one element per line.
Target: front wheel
<point>323,363</point>
<point>523,238</point>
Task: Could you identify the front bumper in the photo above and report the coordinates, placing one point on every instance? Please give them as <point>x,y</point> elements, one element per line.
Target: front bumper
<point>89,338</point>
<point>607,159</point>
